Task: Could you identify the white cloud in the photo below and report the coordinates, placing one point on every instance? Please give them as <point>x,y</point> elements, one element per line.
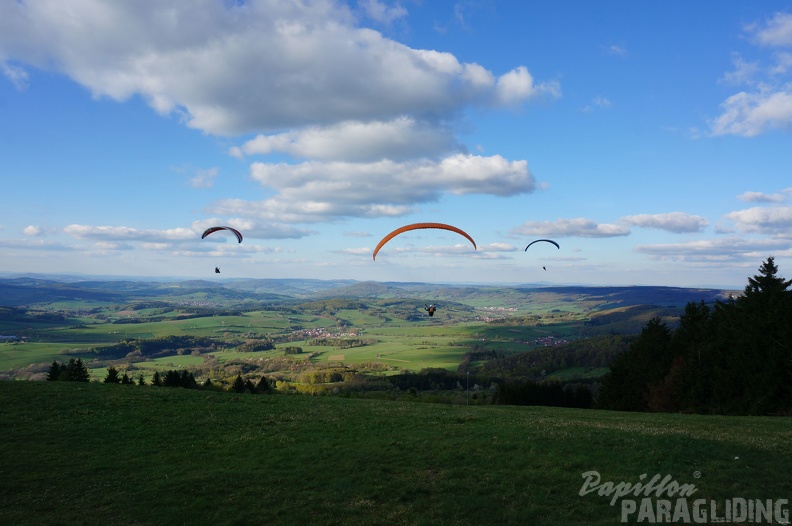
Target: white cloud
<point>722,249</point>
<point>782,65</point>
<point>760,197</point>
<point>249,228</point>
<point>771,221</point>
<point>381,12</point>
<point>32,231</point>
<point>518,85</point>
<point>17,75</point>
<point>400,138</point>
<point>204,178</point>
<point>115,233</point>
<point>751,114</point>
<point>768,106</point>
<point>498,247</point>
<point>264,66</point>
<point>744,72</point>
<point>776,32</point>
<point>677,222</point>
<point>579,227</point>
<point>316,191</point>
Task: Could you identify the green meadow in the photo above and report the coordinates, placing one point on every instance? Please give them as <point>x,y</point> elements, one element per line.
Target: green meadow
<point>113,454</point>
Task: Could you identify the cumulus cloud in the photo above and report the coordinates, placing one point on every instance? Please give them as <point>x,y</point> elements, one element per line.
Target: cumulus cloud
<point>677,222</point>
<point>400,138</point>
<point>32,231</point>
<point>579,227</point>
<point>751,114</point>
<point>317,191</point>
<point>763,220</point>
<point>518,85</point>
<point>240,67</point>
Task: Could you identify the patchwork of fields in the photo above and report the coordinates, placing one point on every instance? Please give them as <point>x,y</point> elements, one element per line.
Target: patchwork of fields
<point>388,331</point>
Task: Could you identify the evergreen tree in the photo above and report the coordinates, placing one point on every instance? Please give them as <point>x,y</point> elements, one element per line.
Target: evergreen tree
<point>249,387</point>
<point>112,376</point>
<point>54,372</point>
<point>125,380</point>
<point>239,385</point>
<point>263,386</point>
<point>765,341</point>
<point>156,380</point>
<point>687,384</point>
<point>187,380</point>
<point>171,379</point>
<point>141,380</point>
<point>735,358</point>
<point>78,372</point>
<point>628,385</point>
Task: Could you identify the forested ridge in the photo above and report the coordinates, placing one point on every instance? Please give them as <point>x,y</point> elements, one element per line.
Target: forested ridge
<point>732,358</point>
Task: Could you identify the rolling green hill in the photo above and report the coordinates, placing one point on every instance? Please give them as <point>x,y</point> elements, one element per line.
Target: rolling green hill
<point>42,320</point>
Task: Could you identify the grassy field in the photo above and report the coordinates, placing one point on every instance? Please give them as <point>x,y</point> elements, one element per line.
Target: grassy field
<point>110,454</point>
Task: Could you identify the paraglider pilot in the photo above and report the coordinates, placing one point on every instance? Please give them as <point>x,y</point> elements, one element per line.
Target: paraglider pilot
<point>430,309</point>
<point>217,270</point>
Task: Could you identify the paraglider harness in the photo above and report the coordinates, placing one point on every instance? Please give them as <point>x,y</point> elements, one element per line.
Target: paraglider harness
<point>430,309</point>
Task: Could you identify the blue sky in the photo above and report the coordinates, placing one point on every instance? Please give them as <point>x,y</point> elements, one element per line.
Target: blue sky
<point>651,140</point>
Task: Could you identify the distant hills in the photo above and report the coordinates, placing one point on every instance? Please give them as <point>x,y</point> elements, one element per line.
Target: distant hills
<point>30,290</point>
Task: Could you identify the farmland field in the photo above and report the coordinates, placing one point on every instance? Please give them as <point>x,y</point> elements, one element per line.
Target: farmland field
<point>364,325</point>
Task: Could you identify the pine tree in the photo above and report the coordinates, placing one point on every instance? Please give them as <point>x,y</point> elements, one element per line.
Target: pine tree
<point>112,376</point>
<point>78,372</point>
<point>141,380</point>
<point>125,380</point>
<point>628,385</point>
<point>764,342</point>
<point>263,386</point>
<point>54,372</point>
<point>239,385</point>
<point>156,380</point>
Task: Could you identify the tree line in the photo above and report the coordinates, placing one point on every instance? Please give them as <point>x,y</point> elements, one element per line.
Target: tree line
<point>186,379</point>
<point>732,358</point>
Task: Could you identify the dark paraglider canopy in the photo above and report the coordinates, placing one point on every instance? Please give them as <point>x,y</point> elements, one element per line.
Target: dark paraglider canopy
<point>417,226</point>
<point>214,229</point>
<point>545,240</point>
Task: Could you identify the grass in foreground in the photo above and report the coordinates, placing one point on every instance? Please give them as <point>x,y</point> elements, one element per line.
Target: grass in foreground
<point>112,454</point>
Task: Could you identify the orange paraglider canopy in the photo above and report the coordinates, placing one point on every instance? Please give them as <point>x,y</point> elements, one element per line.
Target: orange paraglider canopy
<point>418,226</point>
